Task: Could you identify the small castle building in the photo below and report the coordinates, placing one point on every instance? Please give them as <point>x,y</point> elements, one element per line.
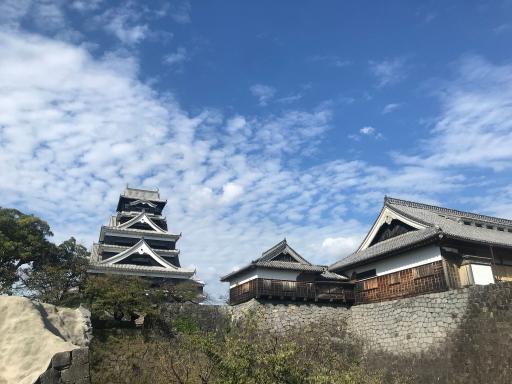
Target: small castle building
<point>137,242</point>
<point>282,274</point>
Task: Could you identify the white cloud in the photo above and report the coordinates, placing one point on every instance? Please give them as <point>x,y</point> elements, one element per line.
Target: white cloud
<point>180,11</point>
<point>337,246</point>
<point>331,60</point>
<point>230,192</point>
<point>12,12</point>
<point>388,72</point>
<point>85,5</point>
<point>392,107</point>
<point>366,131</point>
<point>264,93</point>
<point>290,99</point>
<point>475,126</point>
<point>177,58</point>
<point>125,23</point>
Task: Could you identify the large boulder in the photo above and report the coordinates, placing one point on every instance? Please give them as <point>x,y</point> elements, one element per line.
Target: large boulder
<point>32,333</point>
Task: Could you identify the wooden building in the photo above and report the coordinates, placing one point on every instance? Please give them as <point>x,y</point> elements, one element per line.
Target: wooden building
<point>136,242</point>
<point>415,248</point>
<point>282,274</point>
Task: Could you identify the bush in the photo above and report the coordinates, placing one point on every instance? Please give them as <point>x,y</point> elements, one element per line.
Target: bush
<point>240,355</point>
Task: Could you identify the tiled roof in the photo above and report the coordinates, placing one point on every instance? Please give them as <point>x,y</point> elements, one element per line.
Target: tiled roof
<point>96,267</point>
<point>279,248</point>
<point>142,194</point>
<point>333,276</point>
<point>447,222</point>
<point>266,261</point>
<point>399,243</point>
<point>137,232</point>
<point>390,201</point>
<point>451,222</point>
<point>290,265</point>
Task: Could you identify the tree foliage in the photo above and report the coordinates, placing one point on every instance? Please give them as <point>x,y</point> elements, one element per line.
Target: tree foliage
<point>58,280</point>
<point>119,295</point>
<point>23,240</point>
<point>122,295</point>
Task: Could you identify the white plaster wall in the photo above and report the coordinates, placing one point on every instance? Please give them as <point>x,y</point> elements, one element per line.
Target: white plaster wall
<point>410,259</point>
<point>482,274</point>
<point>263,274</point>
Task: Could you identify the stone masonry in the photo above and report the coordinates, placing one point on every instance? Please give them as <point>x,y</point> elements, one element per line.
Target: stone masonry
<point>410,325</point>
<point>70,367</point>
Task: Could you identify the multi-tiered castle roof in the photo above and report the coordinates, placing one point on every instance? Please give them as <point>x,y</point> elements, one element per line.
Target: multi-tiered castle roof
<point>137,241</point>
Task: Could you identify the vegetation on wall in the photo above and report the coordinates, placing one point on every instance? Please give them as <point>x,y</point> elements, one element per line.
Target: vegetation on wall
<point>229,355</point>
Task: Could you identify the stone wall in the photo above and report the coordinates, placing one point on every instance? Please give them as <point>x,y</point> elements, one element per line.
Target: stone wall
<point>281,317</point>
<point>425,323</point>
<point>70,367</point>
<point>414,324</point>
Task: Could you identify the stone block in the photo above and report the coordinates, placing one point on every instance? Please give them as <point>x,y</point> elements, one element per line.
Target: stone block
<point>80,356</point>
<point>76,373</point>
<point>61,360</point>
<point>50,376</point>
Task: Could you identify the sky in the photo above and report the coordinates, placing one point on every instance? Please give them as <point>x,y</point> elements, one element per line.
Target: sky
<point>256,120</point>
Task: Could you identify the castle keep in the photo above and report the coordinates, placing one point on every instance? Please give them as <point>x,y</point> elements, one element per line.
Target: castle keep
<point>137,242</point>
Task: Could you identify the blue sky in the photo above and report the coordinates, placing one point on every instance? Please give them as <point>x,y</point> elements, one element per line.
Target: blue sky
<point>257,120</point>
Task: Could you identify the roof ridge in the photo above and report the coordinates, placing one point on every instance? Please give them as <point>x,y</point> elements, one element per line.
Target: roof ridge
<point>143,189</point>
<point>288,262</point>
<point>416,237</point>
<point>436,208</point>
<point>274,247</point>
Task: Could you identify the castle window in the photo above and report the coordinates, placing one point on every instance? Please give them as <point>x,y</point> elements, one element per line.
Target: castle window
<point>370,284</point>
<point>423,271</point>
<point>245,287</point>
<point>394,278</point>
<point>366,274</point>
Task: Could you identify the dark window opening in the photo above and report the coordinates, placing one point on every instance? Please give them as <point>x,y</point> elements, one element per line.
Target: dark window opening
<point>284,257</point>
<point>366,274</point>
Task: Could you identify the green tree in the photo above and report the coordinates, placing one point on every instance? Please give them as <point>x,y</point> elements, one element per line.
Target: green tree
<point>119,295</point>
<point>58,279</point>
<point>23,240</point>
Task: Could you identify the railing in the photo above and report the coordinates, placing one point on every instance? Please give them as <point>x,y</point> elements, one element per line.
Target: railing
<point>292,290</point>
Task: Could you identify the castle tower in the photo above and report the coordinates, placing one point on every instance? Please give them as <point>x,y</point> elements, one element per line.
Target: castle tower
<point>137,242</point>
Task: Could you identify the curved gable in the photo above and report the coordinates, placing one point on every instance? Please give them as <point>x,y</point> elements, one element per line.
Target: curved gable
<point>390,223</point>
<point>143,219</point>
<point>141,248</point>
